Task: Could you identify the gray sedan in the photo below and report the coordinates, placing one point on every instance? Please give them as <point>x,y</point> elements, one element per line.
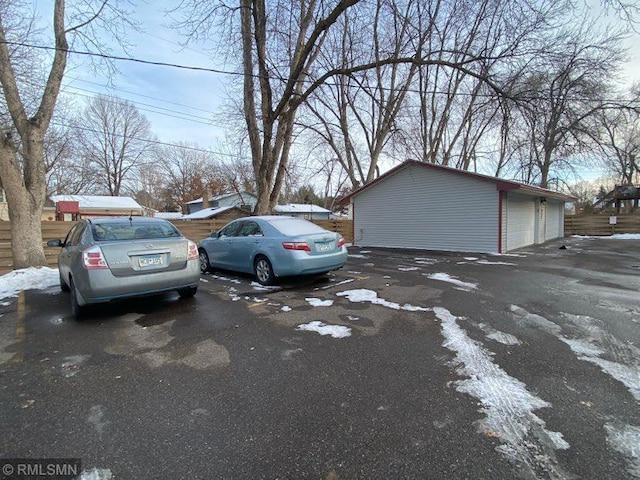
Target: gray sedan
<point>103,259</point>
<point>273,246</point>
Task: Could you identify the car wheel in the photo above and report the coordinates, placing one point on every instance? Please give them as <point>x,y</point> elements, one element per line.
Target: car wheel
<point>77,310</point>
<point>205,266</point>
<point>187,292</point>
<point>263,271</point>
<point>63,285</point>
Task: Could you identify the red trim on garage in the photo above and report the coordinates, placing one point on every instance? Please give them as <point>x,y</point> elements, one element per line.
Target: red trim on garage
<point>499,221</point>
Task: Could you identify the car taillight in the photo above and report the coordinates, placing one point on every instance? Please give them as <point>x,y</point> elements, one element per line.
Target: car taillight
<point>296,246</point>
<point>192,251</point>
<point>340,241</point>
<point>93,258</point>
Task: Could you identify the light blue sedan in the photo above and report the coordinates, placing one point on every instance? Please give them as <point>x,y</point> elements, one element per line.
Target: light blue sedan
<point>273,246</point>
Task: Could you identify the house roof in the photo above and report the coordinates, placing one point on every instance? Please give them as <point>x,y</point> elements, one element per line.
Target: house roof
<point>168,215</point>
<point>221,196</point>
<point>300,208</point>
<point>206,213</point>
<point>98,201</point>
<point>501,184</point>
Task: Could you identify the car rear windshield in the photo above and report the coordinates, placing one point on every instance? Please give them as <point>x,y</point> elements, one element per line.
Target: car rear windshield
<point>131,231</point>
<point>295,226</point>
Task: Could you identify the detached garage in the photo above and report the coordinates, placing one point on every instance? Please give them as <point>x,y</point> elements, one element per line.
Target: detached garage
<point>426,206</point>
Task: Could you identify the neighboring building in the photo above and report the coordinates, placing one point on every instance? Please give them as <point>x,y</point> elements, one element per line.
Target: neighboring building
<point>222,213</point>
<point>244,200</point>
<point>74,207</point>
<point>426,206</point>
<point>306,211</point>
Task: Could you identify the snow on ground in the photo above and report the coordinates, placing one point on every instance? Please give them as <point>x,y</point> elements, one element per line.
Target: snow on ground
<point>336,331</point>
<point>506,402</point>
<point>617,236</point>
<point>363,295</point>
<point>286,308</point>
<point>594,344</point>
<point>445,277</point>
<point>497,335</point>
<point>626,440</point>
<point>356,255</point>
<point>318,302</point>
<point>28,279</point>
<point>96,474</point>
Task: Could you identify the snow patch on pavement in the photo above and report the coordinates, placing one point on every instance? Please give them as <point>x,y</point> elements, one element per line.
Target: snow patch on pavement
<point>534,320</point>
<point>318,302</point>
<point>96,474</point>
<point>620,360</point>
<point>445,277</point>
<point>506,402</point>
<point>336,331</point>
<point>364,295</point>
<point>626,441</point>
<point>498,336</point>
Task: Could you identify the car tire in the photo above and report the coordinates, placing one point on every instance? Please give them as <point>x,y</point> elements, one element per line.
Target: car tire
<point>77,310</point>
<point>205,266</point>
<point>63,285</point>
<point>187,292</point>
<point>263,271</point>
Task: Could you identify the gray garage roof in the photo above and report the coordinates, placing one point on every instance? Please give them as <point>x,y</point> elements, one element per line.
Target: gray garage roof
<point>501,184</point>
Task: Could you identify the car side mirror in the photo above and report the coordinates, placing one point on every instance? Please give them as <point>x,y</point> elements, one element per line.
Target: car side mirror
<point>55,243</point>
<point>213,234</point>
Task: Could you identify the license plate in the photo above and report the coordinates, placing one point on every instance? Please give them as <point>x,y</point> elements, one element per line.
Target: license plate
<point>324,247</point>
<point>150,260</point>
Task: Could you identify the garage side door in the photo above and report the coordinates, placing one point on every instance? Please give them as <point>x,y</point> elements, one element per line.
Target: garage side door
<point>520,221</point>
<point>555,219</point>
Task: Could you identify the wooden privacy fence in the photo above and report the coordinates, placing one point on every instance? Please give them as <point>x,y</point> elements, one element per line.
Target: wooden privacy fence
<point>601,224</point>
<point>196,230</point>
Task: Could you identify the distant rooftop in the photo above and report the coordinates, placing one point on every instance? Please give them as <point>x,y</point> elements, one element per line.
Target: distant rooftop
<point>98,201</point>
<point>300,208</point>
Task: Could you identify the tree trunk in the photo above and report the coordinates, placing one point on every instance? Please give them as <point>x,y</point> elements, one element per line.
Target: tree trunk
<point>26,204</point>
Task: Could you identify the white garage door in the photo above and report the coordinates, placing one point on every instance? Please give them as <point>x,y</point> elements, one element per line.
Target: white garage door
<point>520,221</point>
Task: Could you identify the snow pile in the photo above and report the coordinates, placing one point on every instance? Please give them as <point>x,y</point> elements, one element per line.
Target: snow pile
<point>28,279</point>
<point>626,440</point>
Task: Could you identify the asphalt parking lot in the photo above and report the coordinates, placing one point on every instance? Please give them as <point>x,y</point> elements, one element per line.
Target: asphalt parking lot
<point>404,364</point>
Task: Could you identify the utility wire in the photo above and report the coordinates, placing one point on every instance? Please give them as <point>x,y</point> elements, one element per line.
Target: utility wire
<point>280,78</point>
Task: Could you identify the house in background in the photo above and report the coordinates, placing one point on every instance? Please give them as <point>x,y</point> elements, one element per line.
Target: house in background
<point>222,213</point>
<point>75,207</point>
<point>425,206</point>
<point>306,211</point>
<point>244,200</point>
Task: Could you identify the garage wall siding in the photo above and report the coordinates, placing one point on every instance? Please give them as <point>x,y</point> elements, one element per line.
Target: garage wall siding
<point>428,209</point>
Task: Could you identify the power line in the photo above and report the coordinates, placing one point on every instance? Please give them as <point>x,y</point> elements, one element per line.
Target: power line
<point>275,77</point>
<point>179,115</point>
<point>154,142</point>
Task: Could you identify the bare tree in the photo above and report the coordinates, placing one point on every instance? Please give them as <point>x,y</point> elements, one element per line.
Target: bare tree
<point>22,153</point>
<point>187,172</point>
<point>67,173</point>
<point>116,139</point>
<point>558,99</point>
<point>619,141</point>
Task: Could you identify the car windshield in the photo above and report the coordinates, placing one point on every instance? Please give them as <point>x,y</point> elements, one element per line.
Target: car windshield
<point>295,226</point>
<point>130,230</point>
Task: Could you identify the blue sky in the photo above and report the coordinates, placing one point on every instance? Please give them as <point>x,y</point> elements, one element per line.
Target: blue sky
<point>184,105</point>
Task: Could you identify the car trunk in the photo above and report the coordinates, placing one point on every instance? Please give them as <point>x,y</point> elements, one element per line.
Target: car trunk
<point>145,256</point>
<point>322,243</point>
